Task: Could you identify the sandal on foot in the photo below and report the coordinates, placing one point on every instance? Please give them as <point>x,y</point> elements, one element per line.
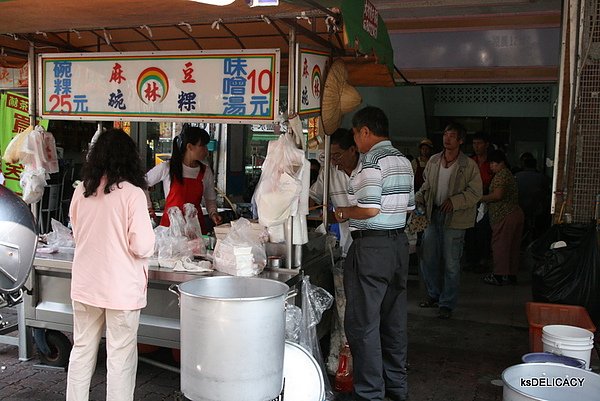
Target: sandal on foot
<point>429,303</point>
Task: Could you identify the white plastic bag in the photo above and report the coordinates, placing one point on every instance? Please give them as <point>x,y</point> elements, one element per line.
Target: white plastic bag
<point>33,182</point>
<point>176,222</point>
<point>12,153</point>
<point>242,251</point>
<point>315,301</point>
<point>280,184</point>
<point>193,231</point>
<point>170,248</point>
<point>60,236</point>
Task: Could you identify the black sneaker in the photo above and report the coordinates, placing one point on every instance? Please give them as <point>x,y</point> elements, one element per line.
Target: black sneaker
<point>444,313</point>
<point>429,303</point>
<point>495,279</point>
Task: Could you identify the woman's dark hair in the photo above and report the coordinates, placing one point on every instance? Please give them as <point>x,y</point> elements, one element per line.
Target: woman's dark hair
<point>188,134</point>
<point>114,155</point>
<point>374,119</point>
<point>497,156</point>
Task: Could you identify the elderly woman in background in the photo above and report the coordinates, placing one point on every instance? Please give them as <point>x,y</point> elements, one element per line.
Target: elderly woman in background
<point>506,219</point>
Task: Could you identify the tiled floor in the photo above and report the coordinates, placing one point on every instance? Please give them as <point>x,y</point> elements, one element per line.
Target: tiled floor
<point>460,359</point>
<point>479,302</point>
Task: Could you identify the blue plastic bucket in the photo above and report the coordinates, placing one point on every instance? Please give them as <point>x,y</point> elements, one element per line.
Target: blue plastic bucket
<point>543,357</point>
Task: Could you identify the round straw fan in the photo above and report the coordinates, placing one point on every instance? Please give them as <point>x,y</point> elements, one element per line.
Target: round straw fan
<point>338,98</point>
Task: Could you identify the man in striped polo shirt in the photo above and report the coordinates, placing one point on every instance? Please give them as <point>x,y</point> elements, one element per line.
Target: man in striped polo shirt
<point>376,267</point>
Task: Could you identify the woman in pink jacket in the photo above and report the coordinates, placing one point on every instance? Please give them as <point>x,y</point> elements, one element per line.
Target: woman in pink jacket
<point>114,238</point>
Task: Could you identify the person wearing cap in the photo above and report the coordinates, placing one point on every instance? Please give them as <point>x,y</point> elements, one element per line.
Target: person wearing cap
<point>419,163</point>
<point>449,197</point>
<point>376,267</point>
<point>186,177</point>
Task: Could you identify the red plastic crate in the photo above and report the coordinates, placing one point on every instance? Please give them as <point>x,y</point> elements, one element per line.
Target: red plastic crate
<point>540,315</point>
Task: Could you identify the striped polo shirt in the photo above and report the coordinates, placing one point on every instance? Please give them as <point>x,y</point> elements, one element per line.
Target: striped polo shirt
<point>382,180</point>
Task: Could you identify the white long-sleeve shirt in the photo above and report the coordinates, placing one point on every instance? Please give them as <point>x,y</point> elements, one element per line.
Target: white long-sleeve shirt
<point>161,173</point>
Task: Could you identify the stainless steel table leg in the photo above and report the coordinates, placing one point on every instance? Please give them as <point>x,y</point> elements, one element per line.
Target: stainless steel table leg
<point>25,339</point>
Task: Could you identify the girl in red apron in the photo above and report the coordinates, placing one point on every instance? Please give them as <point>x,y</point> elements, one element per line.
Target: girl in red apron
<point>184,176</point>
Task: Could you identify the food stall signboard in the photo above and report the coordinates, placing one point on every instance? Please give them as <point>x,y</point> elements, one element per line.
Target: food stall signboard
<point>312,67</point>
<point>222,86</point>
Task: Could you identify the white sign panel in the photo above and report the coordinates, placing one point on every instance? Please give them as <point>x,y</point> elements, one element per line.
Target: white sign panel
<point>239,86</point>
<point>312,65</point>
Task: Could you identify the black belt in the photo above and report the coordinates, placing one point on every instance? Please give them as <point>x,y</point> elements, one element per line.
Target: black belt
<point>375,233</point>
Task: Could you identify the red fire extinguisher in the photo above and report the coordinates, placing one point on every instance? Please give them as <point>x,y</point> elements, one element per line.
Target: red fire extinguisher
<point>343,376</point>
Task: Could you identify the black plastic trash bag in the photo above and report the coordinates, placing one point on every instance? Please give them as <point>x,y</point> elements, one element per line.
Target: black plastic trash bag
<point>567,275</point>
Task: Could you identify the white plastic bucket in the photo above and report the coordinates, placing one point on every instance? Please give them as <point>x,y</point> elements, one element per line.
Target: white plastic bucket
<point>546,382</point>
<point>569,341</point>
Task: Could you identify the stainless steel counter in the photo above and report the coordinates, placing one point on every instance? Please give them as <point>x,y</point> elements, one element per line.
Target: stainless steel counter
<point>49,305</point>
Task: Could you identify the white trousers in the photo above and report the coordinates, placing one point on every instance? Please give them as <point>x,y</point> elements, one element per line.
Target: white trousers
<point>121,350</point>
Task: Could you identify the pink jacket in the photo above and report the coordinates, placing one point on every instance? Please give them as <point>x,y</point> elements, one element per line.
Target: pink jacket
<point>114,238</point>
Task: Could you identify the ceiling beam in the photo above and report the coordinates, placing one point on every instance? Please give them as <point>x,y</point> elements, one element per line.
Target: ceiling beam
<point>103,39</point>
<point>233,35</point>
<point>186,33</point>
<point>147,37</point>
<point>312,36</point>
<point>46,42</point>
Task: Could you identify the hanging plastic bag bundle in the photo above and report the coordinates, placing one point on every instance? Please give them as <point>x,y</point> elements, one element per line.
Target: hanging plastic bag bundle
<point>280,184</point>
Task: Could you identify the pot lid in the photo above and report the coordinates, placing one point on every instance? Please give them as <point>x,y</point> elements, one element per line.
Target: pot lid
<point>18,241</point>
<point>302,374</point>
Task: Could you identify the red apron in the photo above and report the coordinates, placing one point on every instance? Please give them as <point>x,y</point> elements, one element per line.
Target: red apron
<point>190,191</point>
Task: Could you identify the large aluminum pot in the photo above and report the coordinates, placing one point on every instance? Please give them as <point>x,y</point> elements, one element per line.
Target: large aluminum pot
<point>232,338</point>
<point>549,382</point>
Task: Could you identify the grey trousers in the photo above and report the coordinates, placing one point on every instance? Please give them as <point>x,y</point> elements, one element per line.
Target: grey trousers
<point>375,274</point>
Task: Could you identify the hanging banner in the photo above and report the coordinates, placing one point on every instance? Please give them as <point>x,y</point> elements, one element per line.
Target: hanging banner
<point>240,86</point>
<point>11,78</point>
<point>14,118</point>
<point>312,67</point>
<point>365,31</point>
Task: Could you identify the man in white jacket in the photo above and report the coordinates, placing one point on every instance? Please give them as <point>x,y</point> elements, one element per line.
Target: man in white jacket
<point>344,159</point>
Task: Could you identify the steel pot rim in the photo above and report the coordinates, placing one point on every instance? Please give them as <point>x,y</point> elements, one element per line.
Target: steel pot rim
<point>284,290</point>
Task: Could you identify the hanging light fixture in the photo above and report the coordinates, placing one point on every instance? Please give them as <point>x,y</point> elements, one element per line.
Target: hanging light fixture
<point>215,2</point>
<point>262,3</point>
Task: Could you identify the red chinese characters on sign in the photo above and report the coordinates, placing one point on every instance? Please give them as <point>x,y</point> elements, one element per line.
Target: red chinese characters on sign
<point>117,74</point>
<point>17,103</point>
<point>187,74</point>
<point>370,19</point>
<point>151,92</point>
<point>13,171</point>
<point>21,122</point>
